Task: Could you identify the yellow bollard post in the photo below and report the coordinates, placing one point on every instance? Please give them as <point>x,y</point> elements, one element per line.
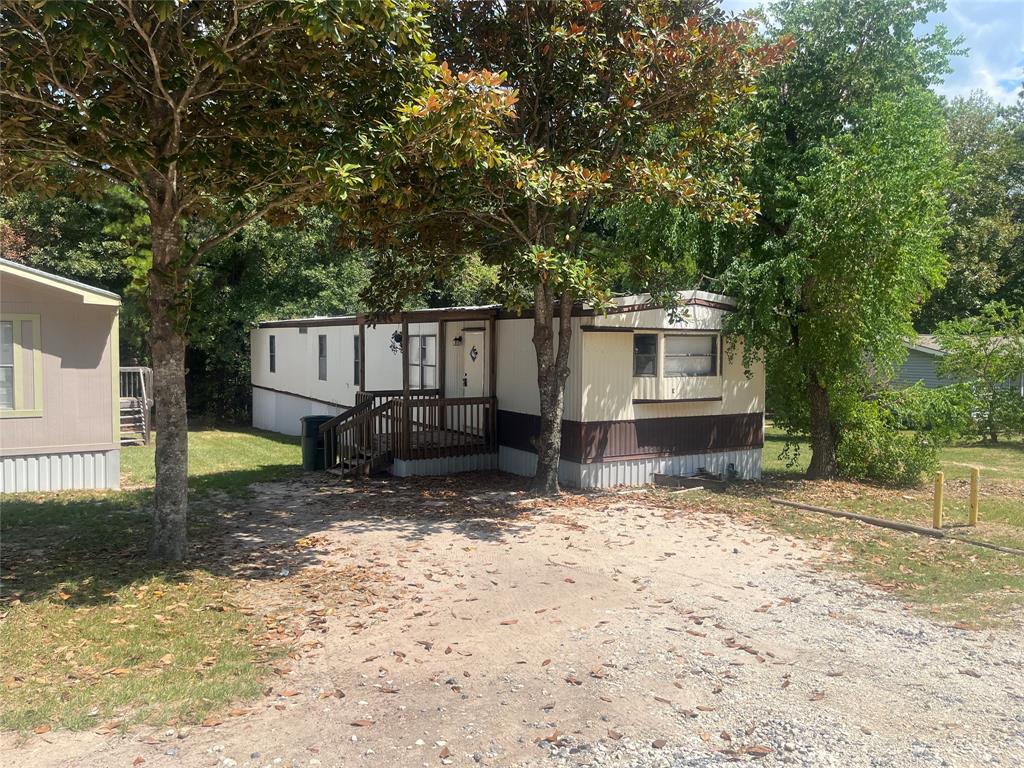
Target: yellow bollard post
<point>937,502</point>
<point>975,481</point>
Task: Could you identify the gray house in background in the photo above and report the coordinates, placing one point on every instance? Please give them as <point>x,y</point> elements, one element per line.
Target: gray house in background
<point>922,364</point>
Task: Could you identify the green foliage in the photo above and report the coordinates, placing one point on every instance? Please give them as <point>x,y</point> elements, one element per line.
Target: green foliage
<point>851,171</point>
<point>987,352</point>
<point>944,412</point>
<point>262,273</point>
<point>986,233</point>
<point>873,446</point>
<point>860,248</point>
<point>102,240</point>
<point>615,103</point>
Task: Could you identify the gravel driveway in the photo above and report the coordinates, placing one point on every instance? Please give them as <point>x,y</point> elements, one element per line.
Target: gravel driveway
<point>459,622</point>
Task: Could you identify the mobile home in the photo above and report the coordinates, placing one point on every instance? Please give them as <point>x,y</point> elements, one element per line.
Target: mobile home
<point>441,390</point>
<point>59,400</point>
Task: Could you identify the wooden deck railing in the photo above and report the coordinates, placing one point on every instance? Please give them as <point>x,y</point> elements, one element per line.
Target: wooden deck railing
<point>372,434</point>
<point>137,382</point>
<point>136,401</point>
<point>361,443</point>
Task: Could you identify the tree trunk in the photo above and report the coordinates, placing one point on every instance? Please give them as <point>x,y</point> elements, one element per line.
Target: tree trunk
<point>168,313</point>
<point>552,372</point>
<point>823,433</point>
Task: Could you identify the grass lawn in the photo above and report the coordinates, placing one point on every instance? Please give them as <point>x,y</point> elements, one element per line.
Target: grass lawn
<point>949,580</point>
<point>92,633</point>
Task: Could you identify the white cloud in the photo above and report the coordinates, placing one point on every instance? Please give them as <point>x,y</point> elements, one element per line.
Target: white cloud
<point>993,31</point>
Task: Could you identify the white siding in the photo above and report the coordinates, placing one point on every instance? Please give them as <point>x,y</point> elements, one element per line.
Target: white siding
<point>517,369</point>
<point>746,463</point>
<point>277,412</point>
<point>610,387</point>
<point>444,466</point>
<point>61,472</point>
<point>296,362</point>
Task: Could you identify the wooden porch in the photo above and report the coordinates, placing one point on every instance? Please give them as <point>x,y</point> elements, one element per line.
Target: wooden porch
<point>136,404</point>
<point>383,428</point>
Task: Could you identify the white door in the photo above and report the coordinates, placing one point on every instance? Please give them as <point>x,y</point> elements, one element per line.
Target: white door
<point>474,363</point>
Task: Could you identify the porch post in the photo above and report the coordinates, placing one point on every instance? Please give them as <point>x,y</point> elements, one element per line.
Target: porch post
<point>405,357</point>
<point>492,327</point>
<point>442,353</point>
<point>362,354</point>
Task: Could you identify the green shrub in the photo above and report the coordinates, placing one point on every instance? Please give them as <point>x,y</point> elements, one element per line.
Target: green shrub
<point>946,413</point>
<point>872,446</point>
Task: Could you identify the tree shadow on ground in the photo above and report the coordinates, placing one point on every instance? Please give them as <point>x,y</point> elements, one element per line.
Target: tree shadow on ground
<point>88,546</point>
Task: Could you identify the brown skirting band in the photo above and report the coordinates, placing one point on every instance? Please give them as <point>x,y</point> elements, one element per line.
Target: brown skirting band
<point>588,442</point>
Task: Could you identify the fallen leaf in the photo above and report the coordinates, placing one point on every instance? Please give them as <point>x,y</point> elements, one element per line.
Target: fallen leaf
<point>658,743</point>
<point>41,729</point>
<point>573,680</point>
<point>613,734</point>
<point>362,723</point>
<point>509,622</point>
<point>211,722</point>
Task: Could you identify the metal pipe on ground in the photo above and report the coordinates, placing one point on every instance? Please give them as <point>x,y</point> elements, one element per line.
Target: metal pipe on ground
<point>897,526</point>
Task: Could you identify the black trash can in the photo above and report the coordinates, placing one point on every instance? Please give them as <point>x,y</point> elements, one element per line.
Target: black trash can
<point>312,442</point>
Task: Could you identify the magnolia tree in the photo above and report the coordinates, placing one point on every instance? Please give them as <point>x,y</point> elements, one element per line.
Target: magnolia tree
<point>616,102</point>
<point>215,114</point>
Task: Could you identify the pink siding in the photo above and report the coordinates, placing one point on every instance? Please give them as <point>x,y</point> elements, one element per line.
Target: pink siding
<point>76,368</point>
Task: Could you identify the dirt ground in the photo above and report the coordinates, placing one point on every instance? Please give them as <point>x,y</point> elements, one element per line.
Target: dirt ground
<point>459,622</point>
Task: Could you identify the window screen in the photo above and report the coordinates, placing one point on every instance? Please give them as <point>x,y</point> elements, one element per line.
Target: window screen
<point>273,354</point>
<point>321,357</point>
<point>423,362</point>
<point>7,365</point>
<point>691,355</point>
<point>645,354</point>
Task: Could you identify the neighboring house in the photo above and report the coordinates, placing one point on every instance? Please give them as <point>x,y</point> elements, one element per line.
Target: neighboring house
<point>646,394</point>
<point>922,364</point>
<point>924,355</point>
<point>59,414</point>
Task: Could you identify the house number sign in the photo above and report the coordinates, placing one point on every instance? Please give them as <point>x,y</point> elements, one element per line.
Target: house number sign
<point>473,354</point>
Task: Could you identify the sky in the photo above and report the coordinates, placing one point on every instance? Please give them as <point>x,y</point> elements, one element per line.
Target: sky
<point>993,31</point>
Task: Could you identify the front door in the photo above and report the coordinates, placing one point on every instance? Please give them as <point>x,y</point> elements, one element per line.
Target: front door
<point>474,363</point>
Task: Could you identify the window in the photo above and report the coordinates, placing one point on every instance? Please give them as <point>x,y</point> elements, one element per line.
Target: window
<point>273,354</point>
<point>355,361</point>
<point>691,355</point>
<point>7,365</point>
<point>321,357</point>
<point>645,354</point>
<point>21,367</point>
<point>422,362</point>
